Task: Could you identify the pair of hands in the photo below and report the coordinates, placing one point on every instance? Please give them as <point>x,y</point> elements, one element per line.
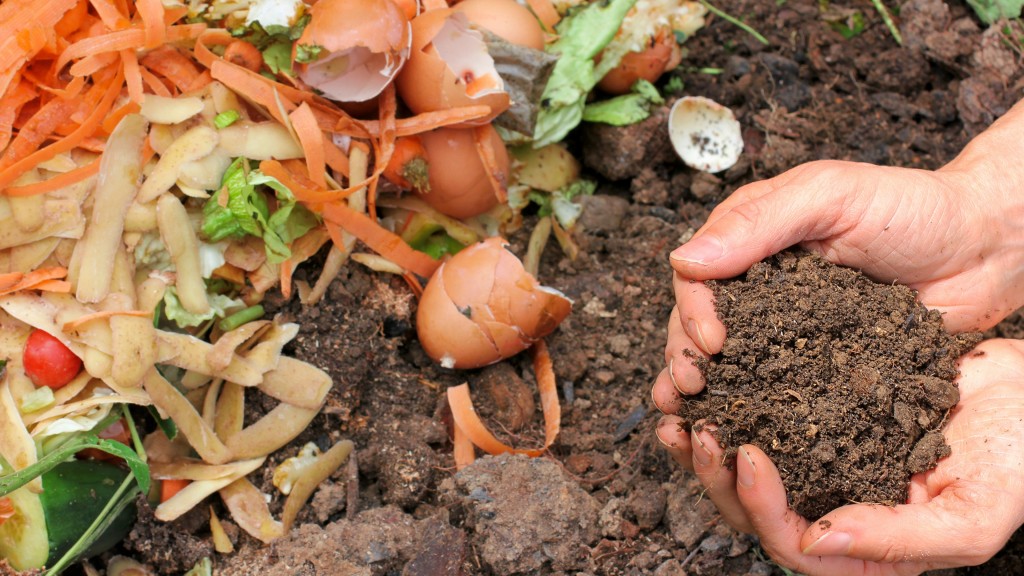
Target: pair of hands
<point>957,237</point>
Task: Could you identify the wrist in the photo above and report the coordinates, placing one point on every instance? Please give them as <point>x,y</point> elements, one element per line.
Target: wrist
<point>989,181</point>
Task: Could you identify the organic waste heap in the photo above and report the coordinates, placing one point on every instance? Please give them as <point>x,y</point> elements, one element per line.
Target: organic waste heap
<point>845,383</point>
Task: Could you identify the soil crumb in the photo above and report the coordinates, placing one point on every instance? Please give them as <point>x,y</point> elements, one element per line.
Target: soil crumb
<point>844,382</point>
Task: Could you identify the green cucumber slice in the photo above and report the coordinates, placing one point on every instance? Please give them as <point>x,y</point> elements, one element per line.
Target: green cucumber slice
<point>45,526</point>
<point>74,494</point>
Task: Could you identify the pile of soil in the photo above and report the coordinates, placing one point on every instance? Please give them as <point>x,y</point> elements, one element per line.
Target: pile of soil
<point>809,94</point>
<point>844,382</point>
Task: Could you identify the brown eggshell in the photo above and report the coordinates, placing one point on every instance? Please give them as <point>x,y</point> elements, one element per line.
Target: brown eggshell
<point>662,55</point>
<point>485,285</point>
<point>505,19</point>
<point>427,83</point>
<point>459,186</point>
<point>447,335</point>
<point>360,27</point>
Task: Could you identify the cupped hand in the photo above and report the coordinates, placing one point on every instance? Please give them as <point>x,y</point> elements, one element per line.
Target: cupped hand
<point>958,514</point>
<point>947,234</point>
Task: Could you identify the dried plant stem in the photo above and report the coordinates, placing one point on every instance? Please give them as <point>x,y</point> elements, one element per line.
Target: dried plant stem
<point>887,18</point>
<point>735,21</point>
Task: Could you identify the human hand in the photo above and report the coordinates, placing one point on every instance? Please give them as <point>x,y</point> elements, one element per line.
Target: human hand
<point>958,514</point>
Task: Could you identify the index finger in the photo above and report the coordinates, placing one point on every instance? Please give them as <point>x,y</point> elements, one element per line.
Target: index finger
<point>696,305</point>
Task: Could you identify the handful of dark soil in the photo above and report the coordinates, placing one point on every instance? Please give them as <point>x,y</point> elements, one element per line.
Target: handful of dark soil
<point>845,383</point>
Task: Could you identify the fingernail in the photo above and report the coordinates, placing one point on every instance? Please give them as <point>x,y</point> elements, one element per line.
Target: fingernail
<point>693,329</point>
<point>702,456</point>
<point>830,544</point>
<point>702,250</point>
<point>664,423</point>
<point>672,373</point>
<point>745,472</point>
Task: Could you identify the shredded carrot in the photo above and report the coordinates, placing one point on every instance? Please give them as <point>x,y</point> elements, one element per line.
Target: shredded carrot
<point>114,18</point>
<point>384,147</point>
<point>35,131</point>
<point>111,121</point>
<point>199,82</point>
<point>73,19</point>
<point>434,5</point>
<point>57,182</point>
<point>255,87</point>
<point>243,54</point>
<point>414,124</point>
<point>171,64</point>
<point>37,279</point>
<point>10,106</point>
<point>154,83</point>
<point>380,240</point>
<point>77,323</point>
<point>132,38</point>
<point>132,78</point>
<point>152,13</point>
<point>303,248</point>
<point>311,139</point>
<point>92,64</point>
<point>467,419</point>
<point>110,91</point>
<point>171,486</point>
<point>463,449</point>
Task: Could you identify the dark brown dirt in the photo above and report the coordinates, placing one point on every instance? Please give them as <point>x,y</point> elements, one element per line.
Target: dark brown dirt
<point>843,381</point>
<point>810,94</point>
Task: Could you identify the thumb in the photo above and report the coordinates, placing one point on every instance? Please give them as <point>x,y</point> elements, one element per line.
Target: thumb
<point>946,531</point>
<point>761,223</point>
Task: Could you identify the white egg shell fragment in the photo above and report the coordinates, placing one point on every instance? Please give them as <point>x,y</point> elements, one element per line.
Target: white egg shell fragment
<point>705,134</point>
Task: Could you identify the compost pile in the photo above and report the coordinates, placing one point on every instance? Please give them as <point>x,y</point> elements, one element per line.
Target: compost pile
<point>843,381</point>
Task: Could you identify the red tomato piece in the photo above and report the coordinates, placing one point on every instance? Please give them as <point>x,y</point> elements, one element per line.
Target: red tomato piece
<point>48,362</point>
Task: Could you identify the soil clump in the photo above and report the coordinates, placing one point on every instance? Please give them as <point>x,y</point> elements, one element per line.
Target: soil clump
<point>844,382</point>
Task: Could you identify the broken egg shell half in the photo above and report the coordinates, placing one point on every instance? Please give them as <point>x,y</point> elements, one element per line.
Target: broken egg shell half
<point>459,186</point>
<point>705,134</point>
<point>449,67</point>
<point>482,306</point>
<point>365,44</point>
<point>506,19</point>
<point>662,55</point>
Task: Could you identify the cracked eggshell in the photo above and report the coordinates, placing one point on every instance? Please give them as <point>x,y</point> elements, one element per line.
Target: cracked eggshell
<point>449,67</point>
<point>705,134</point>
<point>365,44</point>
<point>506,19</point>
<point>481,306</point>
<point>459,186</point>
<point>662,55</point>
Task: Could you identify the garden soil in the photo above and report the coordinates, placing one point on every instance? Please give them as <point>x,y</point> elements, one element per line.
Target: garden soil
<point>605,500</point>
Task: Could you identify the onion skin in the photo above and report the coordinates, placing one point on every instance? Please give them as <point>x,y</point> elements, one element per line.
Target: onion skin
<point>427,84</point>
<point>661,56</point>
<point>459,186</point>
<point>481,307</point>
<point>505,19</point>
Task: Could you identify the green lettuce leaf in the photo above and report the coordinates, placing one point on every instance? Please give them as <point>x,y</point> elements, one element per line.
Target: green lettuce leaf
<point>247,212</point>
<point>625,109</point>
<point>581,36</point>
<point>991,10</point>
<point>175,312</point>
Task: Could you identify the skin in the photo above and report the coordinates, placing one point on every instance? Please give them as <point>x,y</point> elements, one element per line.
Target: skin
<point>956,235</point>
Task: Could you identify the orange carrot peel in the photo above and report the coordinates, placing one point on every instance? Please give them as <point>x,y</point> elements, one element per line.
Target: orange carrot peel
<point>468,423</point>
